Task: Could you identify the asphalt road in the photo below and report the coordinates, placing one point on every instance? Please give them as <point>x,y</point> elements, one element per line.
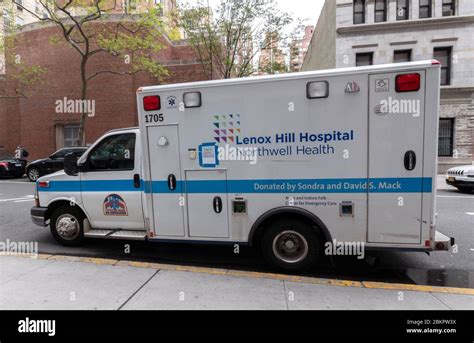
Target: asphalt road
<point>455,218</point>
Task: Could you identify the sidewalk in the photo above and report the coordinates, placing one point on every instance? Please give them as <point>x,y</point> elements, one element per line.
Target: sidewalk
<point>75,283</point>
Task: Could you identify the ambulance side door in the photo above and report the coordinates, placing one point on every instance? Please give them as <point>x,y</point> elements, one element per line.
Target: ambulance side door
<point>111,184</point>
<point>396,134</point>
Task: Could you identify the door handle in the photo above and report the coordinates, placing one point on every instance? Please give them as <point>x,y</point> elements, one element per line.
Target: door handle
<point>171,182</point>
<point>410,160</point>
<point>136,181</point>
<point>217,204</point>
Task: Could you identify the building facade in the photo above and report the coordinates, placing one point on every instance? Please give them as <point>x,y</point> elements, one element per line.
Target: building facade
<point>363,32</point>
<point>17,13</point>
<point>41,127</point>
<point>272,58</point>
<point>298,49</point>
<point>13,12</point>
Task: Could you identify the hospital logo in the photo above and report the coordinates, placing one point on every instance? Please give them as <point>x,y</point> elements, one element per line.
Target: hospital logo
<point>172,102</point>
<point>226,128</point>
<point>114,205</point>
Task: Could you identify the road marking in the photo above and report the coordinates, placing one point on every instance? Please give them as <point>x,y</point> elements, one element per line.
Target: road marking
<point>13,199</point>
<point>18,182</point>
<point>470,213</point>
<point>272,276</point>
<point>24,198</point>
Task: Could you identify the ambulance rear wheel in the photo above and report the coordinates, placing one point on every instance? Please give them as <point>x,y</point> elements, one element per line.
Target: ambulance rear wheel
<point>291,245</point>
<point>67,226</point>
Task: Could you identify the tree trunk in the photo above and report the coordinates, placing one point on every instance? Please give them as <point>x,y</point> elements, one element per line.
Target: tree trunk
<point>82,120</point>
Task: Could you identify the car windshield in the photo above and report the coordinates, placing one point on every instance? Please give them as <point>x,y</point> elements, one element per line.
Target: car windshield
<point>59,153</point>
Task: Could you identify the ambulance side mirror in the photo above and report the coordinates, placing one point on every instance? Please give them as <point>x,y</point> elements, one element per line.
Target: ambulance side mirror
<point>70,164</point>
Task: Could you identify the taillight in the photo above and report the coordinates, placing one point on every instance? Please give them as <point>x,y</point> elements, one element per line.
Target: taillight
<point>151,103</point>
<point>4,165</point>
<point>408,83</point>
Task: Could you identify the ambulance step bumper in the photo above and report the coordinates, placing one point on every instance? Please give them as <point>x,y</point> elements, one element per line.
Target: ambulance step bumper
<point>130,235</point>
<point>98,233</point>
<point>117,234</point>
<point>443,242</point>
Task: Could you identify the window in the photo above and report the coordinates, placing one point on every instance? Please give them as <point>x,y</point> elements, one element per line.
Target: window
<point>402,56</point>
<point>61,153</point>
<point>19,21</point>
<point>446,137</point>
<point>364,59</point>
<point>380,11</point>
<point>6,19</point>
<point>114,153</point>
<point>403,10</point>
<point>71,135</point>
<point>78,152</point>
<point>359,11</point>
<point>449,8</point>
<point>444,56</point>
<point>425,9</point>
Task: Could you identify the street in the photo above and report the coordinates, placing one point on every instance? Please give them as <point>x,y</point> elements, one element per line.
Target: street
<point>455,218</point>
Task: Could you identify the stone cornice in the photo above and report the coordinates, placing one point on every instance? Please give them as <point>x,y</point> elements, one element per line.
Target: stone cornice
<point>433,22</point>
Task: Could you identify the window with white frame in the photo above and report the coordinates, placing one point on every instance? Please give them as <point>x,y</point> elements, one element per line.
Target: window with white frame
<point>71,135</point>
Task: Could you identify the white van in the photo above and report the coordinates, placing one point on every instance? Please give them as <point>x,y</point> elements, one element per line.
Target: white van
<point>287,163</point>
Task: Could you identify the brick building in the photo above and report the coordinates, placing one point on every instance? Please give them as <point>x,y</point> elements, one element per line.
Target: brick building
<point>360,32</point>
<point>34,121</point>
<point>298,49</point>
<point>272,58</point>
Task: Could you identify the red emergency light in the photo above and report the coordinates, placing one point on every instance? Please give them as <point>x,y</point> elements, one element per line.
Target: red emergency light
<point>408,83</point>
<point>43,184</point>
<point>151,103</point>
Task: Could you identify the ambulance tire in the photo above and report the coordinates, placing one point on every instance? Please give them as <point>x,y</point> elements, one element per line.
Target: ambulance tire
<point>67,226</point>
<point>291,245</point>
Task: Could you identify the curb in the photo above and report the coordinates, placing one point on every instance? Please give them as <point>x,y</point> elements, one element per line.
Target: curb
<point>248,274</point>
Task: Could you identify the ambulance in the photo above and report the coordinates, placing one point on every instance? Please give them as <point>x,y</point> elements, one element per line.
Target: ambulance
<point>289,164</point>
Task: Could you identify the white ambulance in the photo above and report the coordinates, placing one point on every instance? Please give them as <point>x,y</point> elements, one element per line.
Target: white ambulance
<point>288,163</point>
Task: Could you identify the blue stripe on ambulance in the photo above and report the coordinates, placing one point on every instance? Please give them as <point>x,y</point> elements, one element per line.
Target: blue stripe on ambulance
<point>283,186</point>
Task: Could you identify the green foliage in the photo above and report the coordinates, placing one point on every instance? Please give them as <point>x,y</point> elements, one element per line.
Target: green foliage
<point>136,41</point>
<point>228,40</point>
<point>274,68</point>
<point>20,76</point>
<point>87,27</point>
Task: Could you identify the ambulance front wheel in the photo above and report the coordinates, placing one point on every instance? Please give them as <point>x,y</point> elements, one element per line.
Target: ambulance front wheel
<point>291,245</point>
<point>66,225</point>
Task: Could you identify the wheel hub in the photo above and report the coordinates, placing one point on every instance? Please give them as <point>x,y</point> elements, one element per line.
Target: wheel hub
<point>67,226</point>
<point>34,174</point>
<point>290,246</point>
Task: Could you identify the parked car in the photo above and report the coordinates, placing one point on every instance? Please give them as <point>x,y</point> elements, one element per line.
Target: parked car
<point>12,167</point>
<point>462,178</point>
<point>52,164</point>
